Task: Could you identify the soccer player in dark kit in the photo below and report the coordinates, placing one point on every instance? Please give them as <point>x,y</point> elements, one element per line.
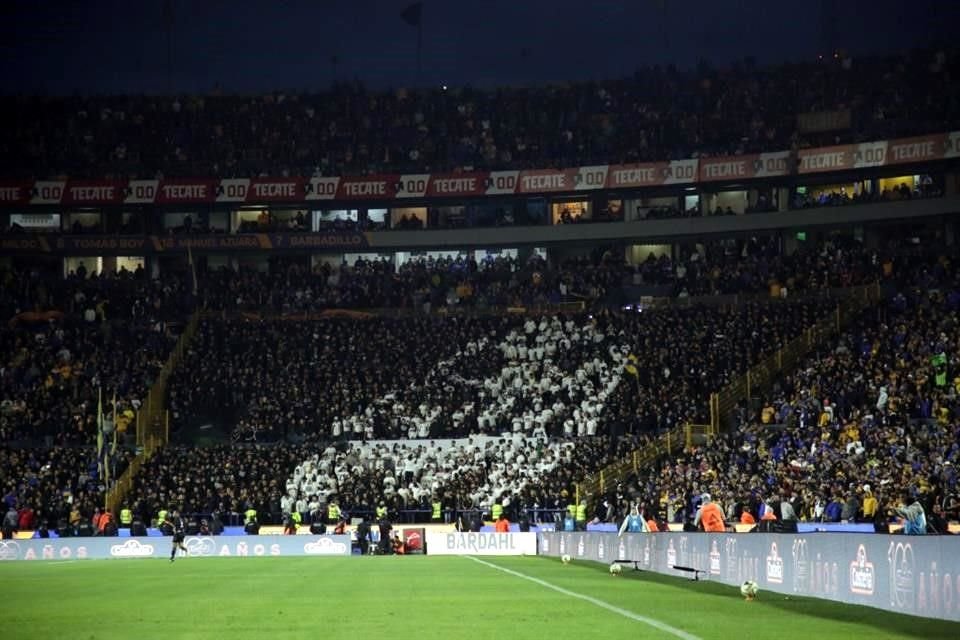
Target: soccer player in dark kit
<point>179,527</point>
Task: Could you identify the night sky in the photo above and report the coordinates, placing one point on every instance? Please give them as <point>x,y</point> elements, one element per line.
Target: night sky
<point>248,46</point>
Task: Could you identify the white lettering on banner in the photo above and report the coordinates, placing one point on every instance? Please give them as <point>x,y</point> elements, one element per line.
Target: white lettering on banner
<point>636,176</point>
<point>322,189</point>
<point>326,547</point>
<point>132,548</point>
<point>184,191</point>
<point>822,161</point>
<point>718,170</point>
<point>233,190</point>
<point>47,192</point>
<point>454,185</point>
<point>243,550</point>
<point>681,171</point>
<point>9,550</point>
<point>952,146</point>
<point>373,188</point>
<point>872,154</point>
<point>413,185</point>
<point>502,183</point>
<point>204,546</point>
<point>9,194</point>
<point>914,151</point>
<point>275,190</point>
<point>87,194</point>
<point>484,544</point>
<point>141,191</point>
<point>591,177</point>
<point>544,183</point>
<point>771,164</point>
<point>861,574</point>
<point>774,565</point>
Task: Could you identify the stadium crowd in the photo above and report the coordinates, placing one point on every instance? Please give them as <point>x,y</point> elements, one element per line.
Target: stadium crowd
<point>874,415</point>
<point>554,379</point>
<point>393,376</point>
<point>66,338</point>
<point>66,346</point>
<point>758,264</point>
<point>522,474</point>
<point>655,114</point>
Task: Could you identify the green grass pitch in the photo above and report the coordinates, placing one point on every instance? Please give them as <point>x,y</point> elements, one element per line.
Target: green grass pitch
<point>409,597</point>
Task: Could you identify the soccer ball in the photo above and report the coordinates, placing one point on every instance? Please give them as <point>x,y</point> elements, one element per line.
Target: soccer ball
<point>749,589</point>
<point>616,569</point>
<point>565,558</point>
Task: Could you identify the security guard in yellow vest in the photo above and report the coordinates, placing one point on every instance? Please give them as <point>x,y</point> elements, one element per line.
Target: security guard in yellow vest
<point>381,512</point>
<point>572,510</point>
<point>437,514</point>
<point>126,517</point>
<point>161,516</point>
<point>250,515</point>
<point>581,514</point>
<point>496,511</point>
<point>333,513</point>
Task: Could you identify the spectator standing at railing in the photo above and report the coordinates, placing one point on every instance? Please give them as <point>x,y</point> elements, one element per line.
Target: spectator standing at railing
<point>9,525</point>
<point>914,517</point>
<point>709,515</point>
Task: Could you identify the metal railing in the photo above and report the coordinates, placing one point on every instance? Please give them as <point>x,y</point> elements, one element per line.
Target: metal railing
<point>153,418</point>
<point>762,374</point>
<point>665,443</point>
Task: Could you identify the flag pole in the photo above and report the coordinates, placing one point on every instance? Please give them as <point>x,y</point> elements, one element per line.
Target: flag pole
<point>100,466</point>
<point>420,51</point>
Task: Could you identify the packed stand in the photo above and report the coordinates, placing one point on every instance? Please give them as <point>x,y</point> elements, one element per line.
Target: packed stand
<point>844,437</point>
<point>760,265</point>
<point>655,114</point>
<point>225,479</point>
<point>434,376</point>
<point>528,476</point>
<point>53,489</point>
<point>422,284</point>
<point>532,477</point>
<point>396,377</point>
<point>69,345</point>
<point>67,338</point>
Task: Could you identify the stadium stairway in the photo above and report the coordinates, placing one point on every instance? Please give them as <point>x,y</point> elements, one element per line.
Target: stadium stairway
<point>153,418</point>
<point>851,302</point>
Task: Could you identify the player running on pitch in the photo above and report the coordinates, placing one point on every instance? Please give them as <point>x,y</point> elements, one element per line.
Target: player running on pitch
<point>176,522</point>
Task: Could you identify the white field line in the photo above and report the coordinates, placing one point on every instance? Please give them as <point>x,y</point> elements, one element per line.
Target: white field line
<point>656,624</point>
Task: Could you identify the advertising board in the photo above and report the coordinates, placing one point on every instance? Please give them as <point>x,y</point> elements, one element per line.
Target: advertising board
<point>481,544</point>
<point>917,575</point>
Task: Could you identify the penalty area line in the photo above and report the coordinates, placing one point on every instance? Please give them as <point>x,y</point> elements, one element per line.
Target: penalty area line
<point>653,622</point>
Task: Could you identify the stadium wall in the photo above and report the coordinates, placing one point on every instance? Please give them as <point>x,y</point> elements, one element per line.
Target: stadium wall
<point>109,548</point>
<point>917,575</point>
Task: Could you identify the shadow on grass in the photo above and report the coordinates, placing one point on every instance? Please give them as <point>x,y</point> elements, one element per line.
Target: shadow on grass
<point>884,621</point>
